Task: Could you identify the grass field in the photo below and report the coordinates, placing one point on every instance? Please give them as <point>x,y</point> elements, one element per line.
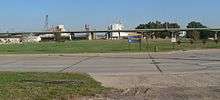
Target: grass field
<point>100,46</point>
<point>46,86</point>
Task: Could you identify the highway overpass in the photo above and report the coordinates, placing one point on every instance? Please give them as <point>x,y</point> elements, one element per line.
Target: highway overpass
<point>93,32</point>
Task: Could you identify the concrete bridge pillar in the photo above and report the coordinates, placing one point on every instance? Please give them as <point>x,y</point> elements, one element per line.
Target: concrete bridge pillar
<point>91,36</point>
<point>119,35</point>
<point>108,36</point>
<point>72,35</point>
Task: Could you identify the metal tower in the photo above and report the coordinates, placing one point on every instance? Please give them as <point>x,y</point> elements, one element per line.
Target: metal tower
<point>87,27</point>
<point>46,27</point>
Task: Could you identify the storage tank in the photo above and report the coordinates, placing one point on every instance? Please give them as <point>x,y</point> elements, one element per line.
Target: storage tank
<point>118,27</point>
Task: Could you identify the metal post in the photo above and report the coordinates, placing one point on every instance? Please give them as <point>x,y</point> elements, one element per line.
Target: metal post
<point>140,46</point>
<point>148,48</point>
<point>129,44</point>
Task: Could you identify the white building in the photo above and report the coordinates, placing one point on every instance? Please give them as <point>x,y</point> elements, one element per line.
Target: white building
<point>31,38</point>
<point>59,28</point>
<point>62,29</point>
<point>117,27</point>
<point>10,40</point>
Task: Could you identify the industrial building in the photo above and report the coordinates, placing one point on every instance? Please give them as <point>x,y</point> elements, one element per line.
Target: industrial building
<point>14,38</point>
<point>59,28</point>
<point>117,35</point>
<point>5,39</point>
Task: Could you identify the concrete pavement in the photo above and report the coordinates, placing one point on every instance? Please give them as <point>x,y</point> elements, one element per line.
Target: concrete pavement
<point>197,71</point>
<point>116,63</point>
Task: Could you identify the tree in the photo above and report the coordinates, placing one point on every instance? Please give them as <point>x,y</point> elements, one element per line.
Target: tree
<point>158,25</point>
<point>196,35</point>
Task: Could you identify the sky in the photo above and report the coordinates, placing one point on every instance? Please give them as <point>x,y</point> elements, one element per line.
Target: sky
<point>29,15</point>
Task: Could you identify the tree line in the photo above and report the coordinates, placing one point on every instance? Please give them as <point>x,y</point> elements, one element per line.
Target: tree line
<point>195,35</point>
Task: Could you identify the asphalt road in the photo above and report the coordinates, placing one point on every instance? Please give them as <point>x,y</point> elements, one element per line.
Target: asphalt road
<point>188,74</point>
<point>197,61</point>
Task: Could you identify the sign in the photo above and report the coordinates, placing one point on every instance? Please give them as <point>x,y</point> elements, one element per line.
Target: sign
<point>133,41</point>
<point>134,38</point>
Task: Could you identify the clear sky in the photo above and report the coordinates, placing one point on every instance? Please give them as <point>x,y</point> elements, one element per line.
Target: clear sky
<point>28,15</point>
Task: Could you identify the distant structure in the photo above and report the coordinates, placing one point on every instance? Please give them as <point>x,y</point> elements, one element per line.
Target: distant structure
<point>30,38</point>
<point>58,28</point>
<point>46,23</point>
<point>90,36</point>
<point>61,28</point>
<point>117,26</point>
<point>10,39</point>
<point>87,27</point>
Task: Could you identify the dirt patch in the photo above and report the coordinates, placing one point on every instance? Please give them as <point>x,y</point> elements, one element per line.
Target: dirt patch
<point>137,93</point>
<point>169,93</point>
<point>189,86</point>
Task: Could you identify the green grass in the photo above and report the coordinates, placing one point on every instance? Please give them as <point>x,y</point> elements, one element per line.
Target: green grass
<point>99,46</point>
<point>46,86</point>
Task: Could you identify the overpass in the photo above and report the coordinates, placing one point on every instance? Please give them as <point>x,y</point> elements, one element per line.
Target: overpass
<point>93,32</point>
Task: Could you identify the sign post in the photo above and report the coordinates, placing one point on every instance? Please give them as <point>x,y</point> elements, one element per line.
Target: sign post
<point>135,38</point>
